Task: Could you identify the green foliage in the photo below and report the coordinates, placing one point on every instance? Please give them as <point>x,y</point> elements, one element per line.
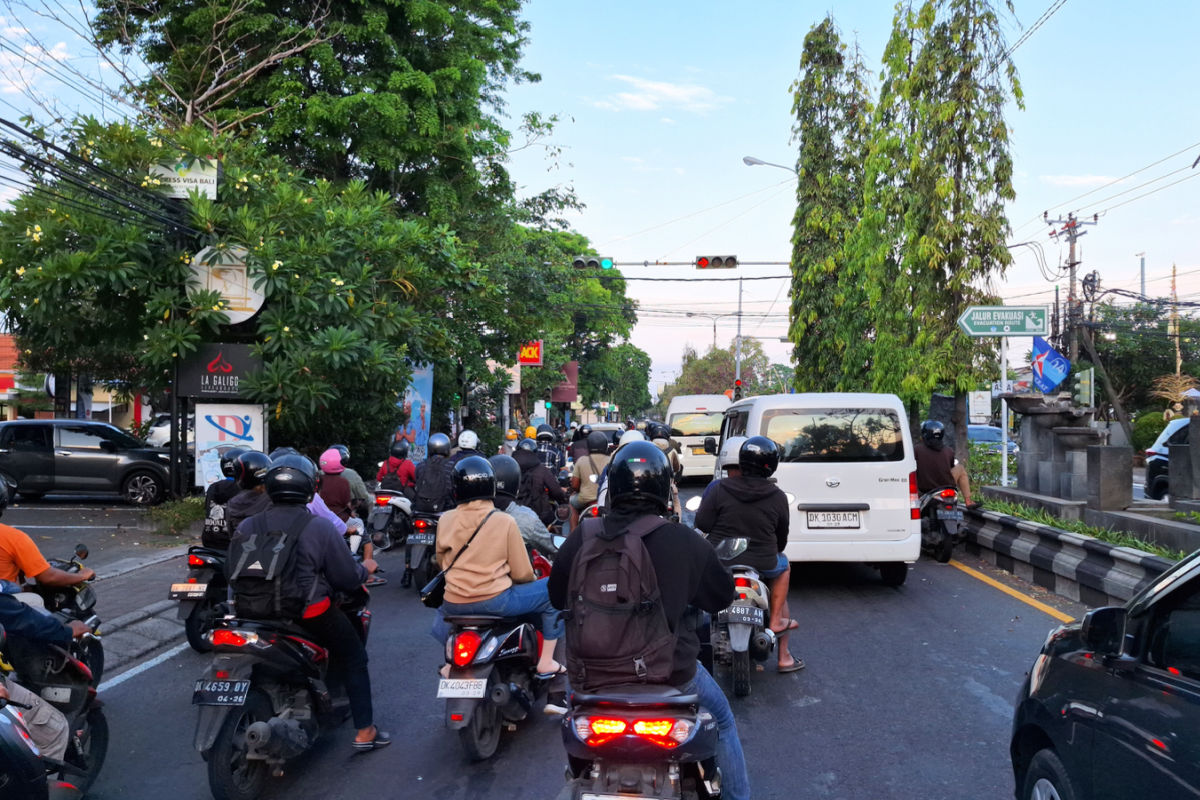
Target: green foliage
<point>1118,538</point>
<point>619,375</point>
<point>1141,350</point>
<point>985,466</point>
<point>713,373</point>
<point>1146,428</point>
<point>176,516</point>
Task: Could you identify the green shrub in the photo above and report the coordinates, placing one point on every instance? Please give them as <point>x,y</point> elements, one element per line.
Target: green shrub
<point>1118,538</point>
<point>1146,428</point>
<point>984,467</point>
<point>176,516</point>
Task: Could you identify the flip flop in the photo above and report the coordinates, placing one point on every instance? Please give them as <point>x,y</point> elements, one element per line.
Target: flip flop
<point>796,665</point>
<point>545,676</point>
<point>791,626</point>
<point>381,739</point>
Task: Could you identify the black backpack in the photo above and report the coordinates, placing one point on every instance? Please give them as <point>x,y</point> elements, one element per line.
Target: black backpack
<point>617,629</point>
<point>391,480</point>
<point>262,569</point>
<point>532,494</point>
<point>433,485</point>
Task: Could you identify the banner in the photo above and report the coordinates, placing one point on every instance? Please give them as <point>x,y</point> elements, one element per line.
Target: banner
<point>417,403</point>
<point>530,354</point>
<point>1050,367</point>
<point>220,426</point>
<point>215,371</point>
<point>568,390</point>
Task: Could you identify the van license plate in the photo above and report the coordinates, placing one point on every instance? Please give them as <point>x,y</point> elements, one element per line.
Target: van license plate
<point>462,687</point>
<point>698,451</point>
<point>833,519</point>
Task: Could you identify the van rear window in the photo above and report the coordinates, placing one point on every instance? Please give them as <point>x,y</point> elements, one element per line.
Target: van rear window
<point>835,434</point>
<point>696,423</point>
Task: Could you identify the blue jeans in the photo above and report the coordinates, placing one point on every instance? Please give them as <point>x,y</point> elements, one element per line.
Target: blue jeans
<point>781,566</point>
<point>518,600</point>
<point>735,781</point>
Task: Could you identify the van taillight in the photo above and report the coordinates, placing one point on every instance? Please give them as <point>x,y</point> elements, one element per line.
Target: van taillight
<point>914,499</point>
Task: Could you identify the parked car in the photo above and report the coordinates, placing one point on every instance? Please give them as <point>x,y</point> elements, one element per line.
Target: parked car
<point>160,431</point>
<point>1111,706</point>
<point>40,456</point>
<point>1157,481</point>
<point>989,436</point>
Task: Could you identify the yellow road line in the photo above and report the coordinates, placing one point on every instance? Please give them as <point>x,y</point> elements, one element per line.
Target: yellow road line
<point>1024,598</point>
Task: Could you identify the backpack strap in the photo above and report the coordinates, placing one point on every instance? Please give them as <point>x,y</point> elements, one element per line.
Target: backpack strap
<point>478,528</point>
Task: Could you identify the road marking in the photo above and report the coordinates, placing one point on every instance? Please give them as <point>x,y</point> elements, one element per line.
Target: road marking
<point>140,668</point>
<point>1024,598</point>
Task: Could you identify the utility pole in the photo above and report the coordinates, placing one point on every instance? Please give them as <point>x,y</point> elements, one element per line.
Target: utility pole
<point>1174,326</point>
<point>1070,229</point>
<point>737,360</point>
<point>1143,257</point>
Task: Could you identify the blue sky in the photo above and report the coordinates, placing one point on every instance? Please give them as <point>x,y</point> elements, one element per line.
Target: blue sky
<point>661,100</point>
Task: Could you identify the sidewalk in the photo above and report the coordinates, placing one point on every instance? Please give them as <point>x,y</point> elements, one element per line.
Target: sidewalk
<point>138,619</point>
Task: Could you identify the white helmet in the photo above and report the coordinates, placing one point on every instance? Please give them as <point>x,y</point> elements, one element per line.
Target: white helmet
<point>467,440</point>
<point>631,436</point>
<point>728,457</point>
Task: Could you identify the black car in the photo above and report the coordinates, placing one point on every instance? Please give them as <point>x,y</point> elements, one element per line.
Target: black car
<point>1111,707</point>
<point>39,456</point>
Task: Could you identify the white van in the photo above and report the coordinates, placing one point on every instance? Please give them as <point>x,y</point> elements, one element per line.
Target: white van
<point>846,462</point>
<point>692,418</point>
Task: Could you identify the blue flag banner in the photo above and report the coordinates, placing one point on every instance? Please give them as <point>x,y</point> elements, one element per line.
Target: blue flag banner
<point>1050,367</point>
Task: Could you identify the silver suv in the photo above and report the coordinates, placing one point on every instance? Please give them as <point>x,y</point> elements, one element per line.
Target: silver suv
<point>40,456</point>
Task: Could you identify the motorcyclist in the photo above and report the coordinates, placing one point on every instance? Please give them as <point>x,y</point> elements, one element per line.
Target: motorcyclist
<point>579,445</point>
<point>690,577</point>
<point>215,533</point>
<point>20,558</point>
<point>397,472</point>
<point>332,486</point>
<point>508,482</point>
<point>468,445</point>
<point>248,473</point>
<point>324,567</point>
<point>660,434</point>
<point>359,496</point>
<point>437,464</point>
<point>626,437</point>
<point>551,454</point>
<point>585,478</point>
<point>317,504</point>
<point>539,488</point>
<point>749,505</point>
<point>936,465</point>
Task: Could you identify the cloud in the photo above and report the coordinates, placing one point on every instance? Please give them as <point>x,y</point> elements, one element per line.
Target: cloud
<point>667,121</point>
<point>20,72</point>
<point>649,95</point>
<point>1076,180</point>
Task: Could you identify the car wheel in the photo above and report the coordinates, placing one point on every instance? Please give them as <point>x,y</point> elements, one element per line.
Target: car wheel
<point>1047,779</point>
<point>32,497</point>
<point>143,489</point>
<point>893,573</point>
<point>1158,489</point>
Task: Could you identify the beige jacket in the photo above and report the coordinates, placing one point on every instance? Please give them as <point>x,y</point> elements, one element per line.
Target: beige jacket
<point>495,560</point>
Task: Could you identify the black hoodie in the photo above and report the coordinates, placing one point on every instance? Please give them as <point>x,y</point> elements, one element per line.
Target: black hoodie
<point>747,506</point>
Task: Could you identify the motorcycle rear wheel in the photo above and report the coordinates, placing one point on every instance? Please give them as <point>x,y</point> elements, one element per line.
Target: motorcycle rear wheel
<point>943,549</point>
<point>88,750</point>
<point>481,738</point>
<point>197,623</point>
<point>741,673</point>
<point>231,776</point>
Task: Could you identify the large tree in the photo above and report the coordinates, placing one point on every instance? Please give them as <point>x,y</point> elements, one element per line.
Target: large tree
<point>832,109</point>
<point>713,372</point>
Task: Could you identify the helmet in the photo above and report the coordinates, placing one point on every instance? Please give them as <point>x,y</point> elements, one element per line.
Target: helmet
<point>585,430</point>
<point>474,479</point>
<point>331,462</point>
<point>527,444</point>
<point>292,479</point>
<point>758,456</point>
<point>639,470</point>
<point>510,435</point>
<point>616,437</point>
<point>530,432</point>
<point>343,451</point>
<point>933,434</point>
<point>597,442</point>
<point>468,440</point>
<point>545,433</point>
<point>279,452</point>
<point>657,430</point>
<point>730,449</point>
<point>439,445</point>
<point>631,436</point>
<point>399,449</point>
<point>508,475</point>
<point>228,457</point>
<point>250,468</point>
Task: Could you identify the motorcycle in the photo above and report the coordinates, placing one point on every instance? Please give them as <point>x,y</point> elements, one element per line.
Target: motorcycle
<point>492,680</point>
<point>76,602</point>
<point>264,700</point>
<point>640,740</point>
<point>391,520</point>
<point>741,632</point>
<point>419,565</point>
<point>202,596</point>
<point>941,523</point>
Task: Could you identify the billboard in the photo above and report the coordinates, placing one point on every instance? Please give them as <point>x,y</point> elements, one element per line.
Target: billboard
<point>417,403</point>
<point>220,426</point>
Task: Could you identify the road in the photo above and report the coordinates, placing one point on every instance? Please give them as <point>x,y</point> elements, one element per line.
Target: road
<point>908,693</point>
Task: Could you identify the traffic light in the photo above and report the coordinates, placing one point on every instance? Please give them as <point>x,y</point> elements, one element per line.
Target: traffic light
<point>592,262</point>
<point>716,262</point>
<point>547,405</point>
<point>1083,388</point>
<point>737,389</point>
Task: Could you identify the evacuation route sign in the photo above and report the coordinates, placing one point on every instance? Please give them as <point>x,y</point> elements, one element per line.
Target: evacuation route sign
<point>1005,321</point>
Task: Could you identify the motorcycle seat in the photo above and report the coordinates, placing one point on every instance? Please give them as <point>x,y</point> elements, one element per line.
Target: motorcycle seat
<point>473,619</point>
<point>490,620</point>
<point>392,492</point>
<point>637,695</point>
<point>201,550</point>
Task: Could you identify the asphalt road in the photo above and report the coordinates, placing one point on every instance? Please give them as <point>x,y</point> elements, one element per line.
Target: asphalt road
<point>908,693</point>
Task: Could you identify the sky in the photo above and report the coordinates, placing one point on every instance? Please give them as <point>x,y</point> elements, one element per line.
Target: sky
<point>659,102</point>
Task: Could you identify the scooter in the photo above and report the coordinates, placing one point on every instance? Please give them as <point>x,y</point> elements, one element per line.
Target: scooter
<point>419,565</point>
<point>391,519</point>
<point>75,602</point>
<point>741,632</point>
<point>941,523</point>
<point>202,595</point>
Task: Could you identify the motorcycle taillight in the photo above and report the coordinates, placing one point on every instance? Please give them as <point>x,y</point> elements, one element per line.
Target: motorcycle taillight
<point>466,645</point>
<point>382,499</point>
<point>743,583</point>
<point>223,637</point>
<point>946,494</point>
<point>420,524</point>
<point>666,733</point>
<point>195,561</point>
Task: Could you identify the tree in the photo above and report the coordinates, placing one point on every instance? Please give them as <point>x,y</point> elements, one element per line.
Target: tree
<point>1134,344</point>
<point>619,375</point>
<point>713,373</point>
<point>832,109</point>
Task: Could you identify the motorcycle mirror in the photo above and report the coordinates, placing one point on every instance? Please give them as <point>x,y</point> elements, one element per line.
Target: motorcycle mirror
<point>81,551</point>
<point>729,549</point>
<point>693,503</point>
<point>558,540</point>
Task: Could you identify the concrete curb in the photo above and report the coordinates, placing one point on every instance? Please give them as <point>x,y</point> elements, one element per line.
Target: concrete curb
<point>127,565</point>
<point>1069,564</point>
<point>145,612</point>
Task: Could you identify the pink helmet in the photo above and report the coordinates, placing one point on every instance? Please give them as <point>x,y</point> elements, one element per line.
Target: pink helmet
<point>331,462</point>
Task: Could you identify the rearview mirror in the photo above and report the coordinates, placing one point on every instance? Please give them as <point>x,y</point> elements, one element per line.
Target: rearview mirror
<point>81,551</point>
<point>710,445</point>
<point>1103,630</point>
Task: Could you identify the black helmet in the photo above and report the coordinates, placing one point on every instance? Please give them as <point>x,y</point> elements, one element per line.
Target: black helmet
<point>758,456</point>
<point>545,433</point>
<point>527,444</point>
<point>508,475</point>
<point>343,451</point>
<point>933,434</point>
<point>292,479</point>
<point>474,480</point>
<point>250,468</point>
<point>280,452</point>
<point>439,445</point>
<point>640,470</point>
<point>658,430</point>
<point>399,449</point>
<point>597,442</point>
<point>585,430</point>
<point>230,456</point>
<point>616,437</point>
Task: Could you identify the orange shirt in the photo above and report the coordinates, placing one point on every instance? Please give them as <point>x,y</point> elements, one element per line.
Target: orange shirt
<point>19,555</point>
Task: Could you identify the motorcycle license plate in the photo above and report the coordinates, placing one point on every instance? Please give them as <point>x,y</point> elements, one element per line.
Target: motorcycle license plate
<point>462,687</point>
<point>422,538</point>
<point>943,514</point>
<point>220,693</point>
<point>187,591</point>
<point>833,519</point>
<point>750,615</point>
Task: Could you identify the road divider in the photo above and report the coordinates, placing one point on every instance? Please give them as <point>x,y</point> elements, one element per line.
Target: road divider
<point>1011,592</point>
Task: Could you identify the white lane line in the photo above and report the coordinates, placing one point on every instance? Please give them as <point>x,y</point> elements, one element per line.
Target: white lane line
<point>145,665</point>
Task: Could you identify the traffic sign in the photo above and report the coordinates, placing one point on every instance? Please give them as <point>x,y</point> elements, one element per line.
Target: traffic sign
<point>1005,321</point>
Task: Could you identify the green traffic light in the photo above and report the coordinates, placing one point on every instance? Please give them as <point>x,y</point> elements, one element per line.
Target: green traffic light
<point>606,263</point>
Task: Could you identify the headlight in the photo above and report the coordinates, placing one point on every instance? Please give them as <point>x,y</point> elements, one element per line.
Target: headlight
<point>85,598</point>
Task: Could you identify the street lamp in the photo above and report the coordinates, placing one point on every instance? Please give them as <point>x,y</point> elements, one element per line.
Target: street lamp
<point>751,161</point>
<point>714,318</point>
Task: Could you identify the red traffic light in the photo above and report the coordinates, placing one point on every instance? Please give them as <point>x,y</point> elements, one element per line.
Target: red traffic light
<point>738,382</point>
<point>716,262</point>
<point>702,262</point>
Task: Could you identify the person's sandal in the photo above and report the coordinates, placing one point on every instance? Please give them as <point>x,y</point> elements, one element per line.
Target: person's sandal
<point>382,739</point>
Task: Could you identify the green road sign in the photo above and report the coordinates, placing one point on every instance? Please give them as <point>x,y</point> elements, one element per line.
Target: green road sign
<point>1005,321</point>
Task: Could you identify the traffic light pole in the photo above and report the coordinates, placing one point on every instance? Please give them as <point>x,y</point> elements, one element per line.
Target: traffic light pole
<point>737,359</point>
<point>1003,411</point>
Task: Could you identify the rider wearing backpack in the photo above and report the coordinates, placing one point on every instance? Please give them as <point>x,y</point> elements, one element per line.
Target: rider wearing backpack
<point>434,491</point>
<point>686,573</point>
<point>538,485</point>
<point>291,564</point>
<point>398,472</point>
